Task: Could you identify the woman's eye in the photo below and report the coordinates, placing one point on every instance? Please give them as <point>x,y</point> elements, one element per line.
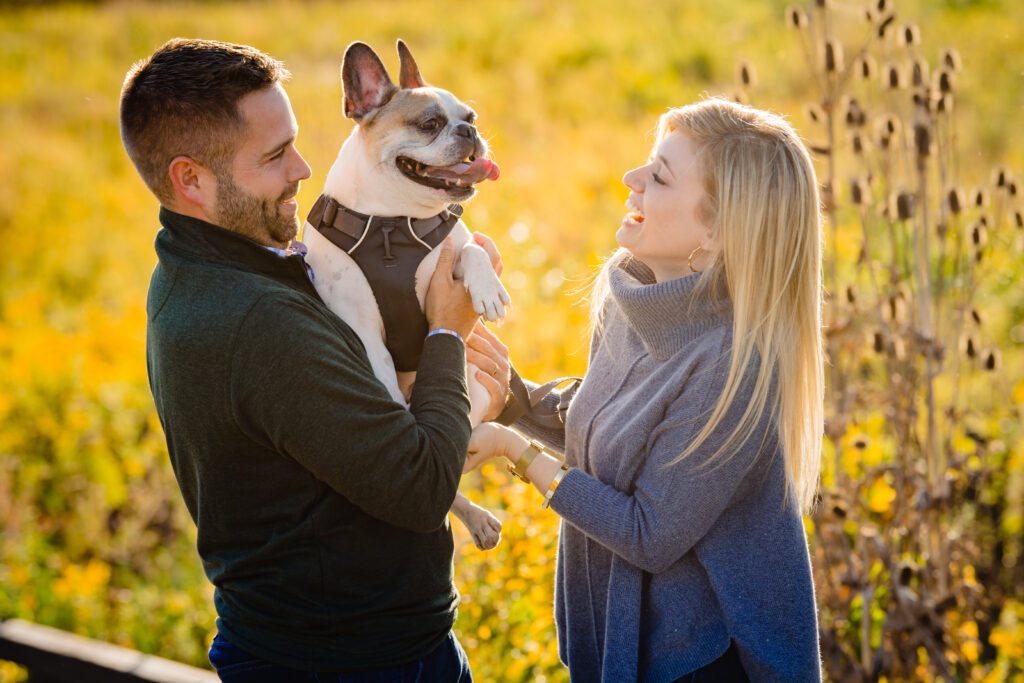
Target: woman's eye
<point>657,179</point>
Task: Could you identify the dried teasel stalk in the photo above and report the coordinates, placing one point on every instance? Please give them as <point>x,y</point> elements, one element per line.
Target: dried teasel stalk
<point>893,75</point>
<point>833,56</point>
<point>910,35</point>
<point>746,75</point>
<point>865,67</point>
<point>945,80</point>
<point>905,202</point>
<point>797,18</point>
<point>922,139</point>
<point>919,72</point>
<point>951,59</point>
<point>955,200</point>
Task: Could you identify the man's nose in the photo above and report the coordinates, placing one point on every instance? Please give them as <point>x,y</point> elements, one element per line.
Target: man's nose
<point>302,171</point>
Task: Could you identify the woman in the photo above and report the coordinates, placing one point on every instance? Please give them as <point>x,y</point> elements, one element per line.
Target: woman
<point>693,443</point>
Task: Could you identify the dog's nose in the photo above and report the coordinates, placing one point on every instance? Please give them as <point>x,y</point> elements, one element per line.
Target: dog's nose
<point>465,130</point>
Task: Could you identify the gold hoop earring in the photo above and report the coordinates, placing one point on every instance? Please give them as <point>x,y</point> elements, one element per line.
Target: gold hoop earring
<point>689,261</point>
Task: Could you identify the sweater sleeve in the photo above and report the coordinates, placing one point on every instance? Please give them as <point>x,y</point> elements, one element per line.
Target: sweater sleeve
<point>305,388</point>
<point>672,506</point>
<point>552,437</point>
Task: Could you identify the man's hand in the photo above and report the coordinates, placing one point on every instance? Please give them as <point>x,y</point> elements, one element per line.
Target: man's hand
<point>448,303</point>
<point>485,350</point>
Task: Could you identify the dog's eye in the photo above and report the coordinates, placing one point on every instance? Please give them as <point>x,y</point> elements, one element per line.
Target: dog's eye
<point>471,117</point>
<point>430,125</point>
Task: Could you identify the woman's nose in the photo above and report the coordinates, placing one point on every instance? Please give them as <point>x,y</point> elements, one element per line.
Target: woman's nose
<point>633,181</point>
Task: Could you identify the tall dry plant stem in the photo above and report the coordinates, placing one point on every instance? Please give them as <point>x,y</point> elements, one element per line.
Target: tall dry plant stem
<point>901,538</point>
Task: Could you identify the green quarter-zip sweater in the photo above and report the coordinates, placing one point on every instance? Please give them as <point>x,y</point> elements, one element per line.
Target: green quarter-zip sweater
<point>321,504</point>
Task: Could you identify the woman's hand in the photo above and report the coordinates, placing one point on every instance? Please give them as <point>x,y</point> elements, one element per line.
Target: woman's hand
<point>490,356</point>
<point>492,251</point>
<point>491,440</point>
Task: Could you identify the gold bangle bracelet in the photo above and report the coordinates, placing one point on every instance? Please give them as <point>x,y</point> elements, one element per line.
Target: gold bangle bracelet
<point>533,449</point>
<point>554,485</point>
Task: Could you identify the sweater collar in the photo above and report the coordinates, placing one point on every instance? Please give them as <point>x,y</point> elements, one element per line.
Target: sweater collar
<point>665,315</point>
<point>197,239</point>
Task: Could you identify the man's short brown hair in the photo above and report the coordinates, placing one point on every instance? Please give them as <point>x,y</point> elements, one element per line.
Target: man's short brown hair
<point>183,100</point>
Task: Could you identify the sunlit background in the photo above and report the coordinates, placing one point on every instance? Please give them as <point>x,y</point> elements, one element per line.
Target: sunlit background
<point>917,541</point>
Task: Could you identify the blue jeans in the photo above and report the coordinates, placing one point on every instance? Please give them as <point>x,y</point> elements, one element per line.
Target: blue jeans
<point>447,664</point>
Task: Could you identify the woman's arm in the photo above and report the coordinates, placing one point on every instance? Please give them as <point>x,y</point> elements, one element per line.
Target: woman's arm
<point>672,506</point>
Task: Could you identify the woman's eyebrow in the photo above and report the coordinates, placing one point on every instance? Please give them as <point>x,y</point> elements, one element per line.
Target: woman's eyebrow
<point>664,161</point>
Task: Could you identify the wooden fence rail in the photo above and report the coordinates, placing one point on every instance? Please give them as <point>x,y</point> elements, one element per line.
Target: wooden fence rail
<point>55,656</point>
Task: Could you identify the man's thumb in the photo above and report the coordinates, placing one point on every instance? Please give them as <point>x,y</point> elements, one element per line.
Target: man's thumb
<point>447,256</point>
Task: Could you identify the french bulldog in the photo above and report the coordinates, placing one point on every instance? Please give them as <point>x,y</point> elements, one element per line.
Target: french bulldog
<point>373,237</point>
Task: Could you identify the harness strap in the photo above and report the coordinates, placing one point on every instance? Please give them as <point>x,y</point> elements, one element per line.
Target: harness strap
<point>388,251</point>
<point>523,401</point>
<point>346,228</point>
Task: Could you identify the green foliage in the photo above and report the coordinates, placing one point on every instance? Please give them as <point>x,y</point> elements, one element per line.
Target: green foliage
<point>95,538</point>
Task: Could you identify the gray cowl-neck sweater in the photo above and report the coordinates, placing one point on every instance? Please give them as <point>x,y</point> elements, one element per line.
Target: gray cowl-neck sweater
<point>660,566</point>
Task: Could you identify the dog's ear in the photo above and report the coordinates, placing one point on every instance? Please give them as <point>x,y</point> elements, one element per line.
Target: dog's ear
<point>365,81</point>
<point>410,73</point>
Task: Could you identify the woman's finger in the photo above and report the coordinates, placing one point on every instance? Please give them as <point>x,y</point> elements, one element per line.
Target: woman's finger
<point>490,338</point>
<point>488,363</point>
<point>492,251</point>
<point>496,391</point>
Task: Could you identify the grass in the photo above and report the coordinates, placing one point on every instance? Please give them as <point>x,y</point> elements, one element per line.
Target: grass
<point>95,537</point>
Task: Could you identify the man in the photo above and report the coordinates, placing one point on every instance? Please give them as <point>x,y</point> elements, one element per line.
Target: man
<point>321,505</point>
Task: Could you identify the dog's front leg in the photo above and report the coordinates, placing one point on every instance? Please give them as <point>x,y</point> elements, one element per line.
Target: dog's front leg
<point>483,526</point>
<point>488,294</point>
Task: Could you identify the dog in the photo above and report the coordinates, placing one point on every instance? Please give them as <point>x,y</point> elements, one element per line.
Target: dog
<point>373,237</point>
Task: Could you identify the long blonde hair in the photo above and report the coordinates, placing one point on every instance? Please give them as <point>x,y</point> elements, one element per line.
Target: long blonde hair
<point>763,210</point>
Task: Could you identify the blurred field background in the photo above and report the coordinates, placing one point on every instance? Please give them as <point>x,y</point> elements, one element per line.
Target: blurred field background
<point>917,543</point>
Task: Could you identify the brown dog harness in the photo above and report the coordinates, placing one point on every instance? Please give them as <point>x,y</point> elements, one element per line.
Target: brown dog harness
<point>388,250</point>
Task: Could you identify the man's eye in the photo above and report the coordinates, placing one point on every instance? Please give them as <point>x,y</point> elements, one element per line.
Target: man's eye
<point>277,156</point>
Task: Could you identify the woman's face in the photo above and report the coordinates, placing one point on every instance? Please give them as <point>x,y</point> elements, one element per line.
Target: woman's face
<point>662,227</point>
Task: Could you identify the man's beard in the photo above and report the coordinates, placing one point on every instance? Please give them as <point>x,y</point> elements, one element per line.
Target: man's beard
<point>256,217</point>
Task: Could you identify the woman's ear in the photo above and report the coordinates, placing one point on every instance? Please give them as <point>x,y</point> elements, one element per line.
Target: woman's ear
<point>195,187</point>
<point>710,242</point>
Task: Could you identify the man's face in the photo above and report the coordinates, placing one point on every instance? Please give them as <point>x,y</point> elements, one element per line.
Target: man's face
<point>257,197</point>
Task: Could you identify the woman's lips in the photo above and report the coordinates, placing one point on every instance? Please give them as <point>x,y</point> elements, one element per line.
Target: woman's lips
<point>635,215</point>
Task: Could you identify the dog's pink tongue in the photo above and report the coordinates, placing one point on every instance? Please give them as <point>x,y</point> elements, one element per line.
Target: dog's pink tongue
<point>480,169</point>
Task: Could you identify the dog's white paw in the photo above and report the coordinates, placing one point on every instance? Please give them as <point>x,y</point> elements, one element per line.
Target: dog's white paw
<point>483,526</point>
<point>489,299</point>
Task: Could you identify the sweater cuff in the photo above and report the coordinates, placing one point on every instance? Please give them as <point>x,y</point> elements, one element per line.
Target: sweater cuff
<point>444,356</point>
<point>568,499</point>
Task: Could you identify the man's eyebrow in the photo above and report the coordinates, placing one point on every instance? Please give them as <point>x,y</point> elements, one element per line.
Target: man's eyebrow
<point>280,147</point>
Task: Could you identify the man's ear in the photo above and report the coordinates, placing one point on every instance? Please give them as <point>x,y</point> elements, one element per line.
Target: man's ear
<point>195,186</point>
<point>365,81</point>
